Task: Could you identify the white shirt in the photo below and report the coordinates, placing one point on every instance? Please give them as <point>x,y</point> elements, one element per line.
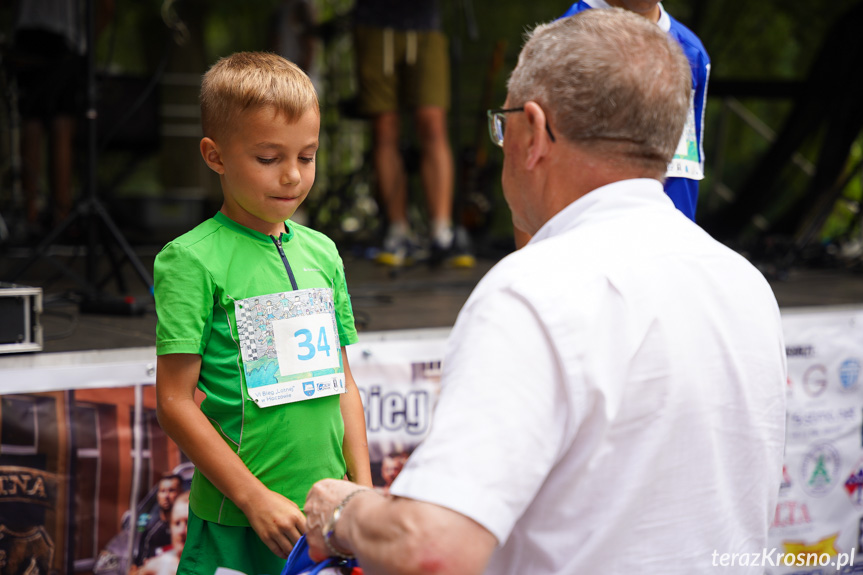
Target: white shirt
<point>613,397</point>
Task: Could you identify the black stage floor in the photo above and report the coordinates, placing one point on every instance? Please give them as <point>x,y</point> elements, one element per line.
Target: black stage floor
<point>414,298</point>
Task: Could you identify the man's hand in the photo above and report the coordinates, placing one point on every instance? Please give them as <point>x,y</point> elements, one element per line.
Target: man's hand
<point>277,520</point>
<point>323,498</point>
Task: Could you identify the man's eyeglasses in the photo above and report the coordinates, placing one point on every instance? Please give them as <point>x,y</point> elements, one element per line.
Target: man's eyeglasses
<point>497,123</point>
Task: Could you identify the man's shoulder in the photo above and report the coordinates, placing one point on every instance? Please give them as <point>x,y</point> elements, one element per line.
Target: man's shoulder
<point>538,263</point>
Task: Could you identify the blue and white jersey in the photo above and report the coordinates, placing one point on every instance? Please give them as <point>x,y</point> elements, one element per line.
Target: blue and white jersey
<point>687,166</point>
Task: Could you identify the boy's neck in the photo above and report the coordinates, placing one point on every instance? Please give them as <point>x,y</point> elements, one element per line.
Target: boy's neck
<point>266,228</point>
<point>642,8</point>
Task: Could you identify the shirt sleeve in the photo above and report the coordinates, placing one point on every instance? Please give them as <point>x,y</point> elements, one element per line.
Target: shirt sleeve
<point>184,291</point>
<point>499,425</point>
<point>342,301</point>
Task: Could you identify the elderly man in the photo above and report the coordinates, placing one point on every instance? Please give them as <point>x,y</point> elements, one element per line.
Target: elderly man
<point>613,394</point>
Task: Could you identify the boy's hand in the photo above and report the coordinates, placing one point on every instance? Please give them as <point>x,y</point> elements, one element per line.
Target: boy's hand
<point>278,522</point>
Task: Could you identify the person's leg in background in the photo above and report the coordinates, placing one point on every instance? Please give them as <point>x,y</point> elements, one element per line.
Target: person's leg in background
<point>32,136</point>
<point>392,187</point>
<point>62,136</point>
<point>430,97</point>
<point>436,172</point>
<point>48,82</point>
<point>378,52</point>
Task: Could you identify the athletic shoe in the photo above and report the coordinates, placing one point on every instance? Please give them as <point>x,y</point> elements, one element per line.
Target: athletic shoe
<point>457,255</point>
<point>397,252</point>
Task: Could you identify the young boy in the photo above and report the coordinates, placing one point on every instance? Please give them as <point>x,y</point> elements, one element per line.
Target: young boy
<point>253,310</point>
<point>687,166</point>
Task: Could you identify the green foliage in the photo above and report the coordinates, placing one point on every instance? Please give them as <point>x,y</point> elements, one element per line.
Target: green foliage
<point>844,219</point>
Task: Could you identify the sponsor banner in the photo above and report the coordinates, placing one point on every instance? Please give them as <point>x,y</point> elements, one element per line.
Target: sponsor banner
<point>68,454</point>
<point>820,508</point>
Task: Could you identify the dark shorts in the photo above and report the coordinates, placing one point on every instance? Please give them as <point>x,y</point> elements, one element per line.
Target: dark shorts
<point>402,70</point>
<point>49,75</point>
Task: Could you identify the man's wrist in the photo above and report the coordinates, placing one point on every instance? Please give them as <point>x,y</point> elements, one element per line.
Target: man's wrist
<point>329,529</point>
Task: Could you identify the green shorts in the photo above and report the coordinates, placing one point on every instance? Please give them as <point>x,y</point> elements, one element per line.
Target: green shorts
<point>210,546</point>
<point>401,70</point>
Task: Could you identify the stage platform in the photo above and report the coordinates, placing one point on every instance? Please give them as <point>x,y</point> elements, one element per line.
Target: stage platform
<point>410,298</point>
<point>413,298</point>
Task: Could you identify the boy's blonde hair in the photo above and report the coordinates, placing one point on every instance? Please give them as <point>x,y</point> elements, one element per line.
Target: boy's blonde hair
<point>251,79</point>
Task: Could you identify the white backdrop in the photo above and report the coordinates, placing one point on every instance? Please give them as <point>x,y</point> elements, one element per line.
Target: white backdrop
<point>820,506</point>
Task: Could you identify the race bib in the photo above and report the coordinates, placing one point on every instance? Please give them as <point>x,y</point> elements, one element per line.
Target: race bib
<point>289,343</point>
<point>686,162</point>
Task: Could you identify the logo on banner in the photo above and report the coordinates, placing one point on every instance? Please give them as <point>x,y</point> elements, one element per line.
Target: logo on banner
<point>818,474</point>
<point>27,485</point>
<point>395,411</point>
<point>815,380</point>
<point>854,485</point>
<point>786,479</point>
<point>790,514</point>
<point>824,546</point>
<point>799,350</point>
<point>32,551</point>
<point>309,388</point>
<point>849,374</point>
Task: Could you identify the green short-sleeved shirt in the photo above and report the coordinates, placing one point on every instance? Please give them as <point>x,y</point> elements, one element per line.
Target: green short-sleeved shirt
<point>198,277</point>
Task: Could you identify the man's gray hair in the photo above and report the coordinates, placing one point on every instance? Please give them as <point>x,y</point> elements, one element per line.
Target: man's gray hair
<point>610,79</point>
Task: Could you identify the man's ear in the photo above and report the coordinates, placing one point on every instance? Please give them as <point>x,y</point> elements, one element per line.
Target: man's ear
<point>539,140</point>
<point>212,156</point>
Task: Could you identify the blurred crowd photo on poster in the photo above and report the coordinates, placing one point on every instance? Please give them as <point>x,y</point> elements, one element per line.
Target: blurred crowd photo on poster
<point>159,531</point>
<point>398,414</point>
<point>166,559</point>
<point>390,465</point>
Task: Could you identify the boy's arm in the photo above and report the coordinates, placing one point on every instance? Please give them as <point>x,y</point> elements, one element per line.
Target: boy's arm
<point>355,444</point>
<point>277,520</point>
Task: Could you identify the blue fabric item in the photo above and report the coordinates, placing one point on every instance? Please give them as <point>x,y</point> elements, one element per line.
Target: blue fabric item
<point>299,562</point>
<point>682,191</point>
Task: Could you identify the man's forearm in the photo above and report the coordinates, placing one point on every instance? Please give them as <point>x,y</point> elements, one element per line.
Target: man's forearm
<point>397,535</point>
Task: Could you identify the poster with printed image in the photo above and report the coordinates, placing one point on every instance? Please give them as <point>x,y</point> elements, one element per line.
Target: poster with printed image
<point>399,382</point>
<point>817,524</point>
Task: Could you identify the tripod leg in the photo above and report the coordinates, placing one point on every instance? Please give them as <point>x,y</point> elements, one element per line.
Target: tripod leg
<point>116,265</point>
<point>124,245</point>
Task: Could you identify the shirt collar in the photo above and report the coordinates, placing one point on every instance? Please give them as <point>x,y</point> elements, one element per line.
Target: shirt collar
<point>241,229</point>
<point>596,203</point>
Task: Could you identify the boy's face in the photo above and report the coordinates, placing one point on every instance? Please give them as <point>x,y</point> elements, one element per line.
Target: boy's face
<point>266,166</point>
